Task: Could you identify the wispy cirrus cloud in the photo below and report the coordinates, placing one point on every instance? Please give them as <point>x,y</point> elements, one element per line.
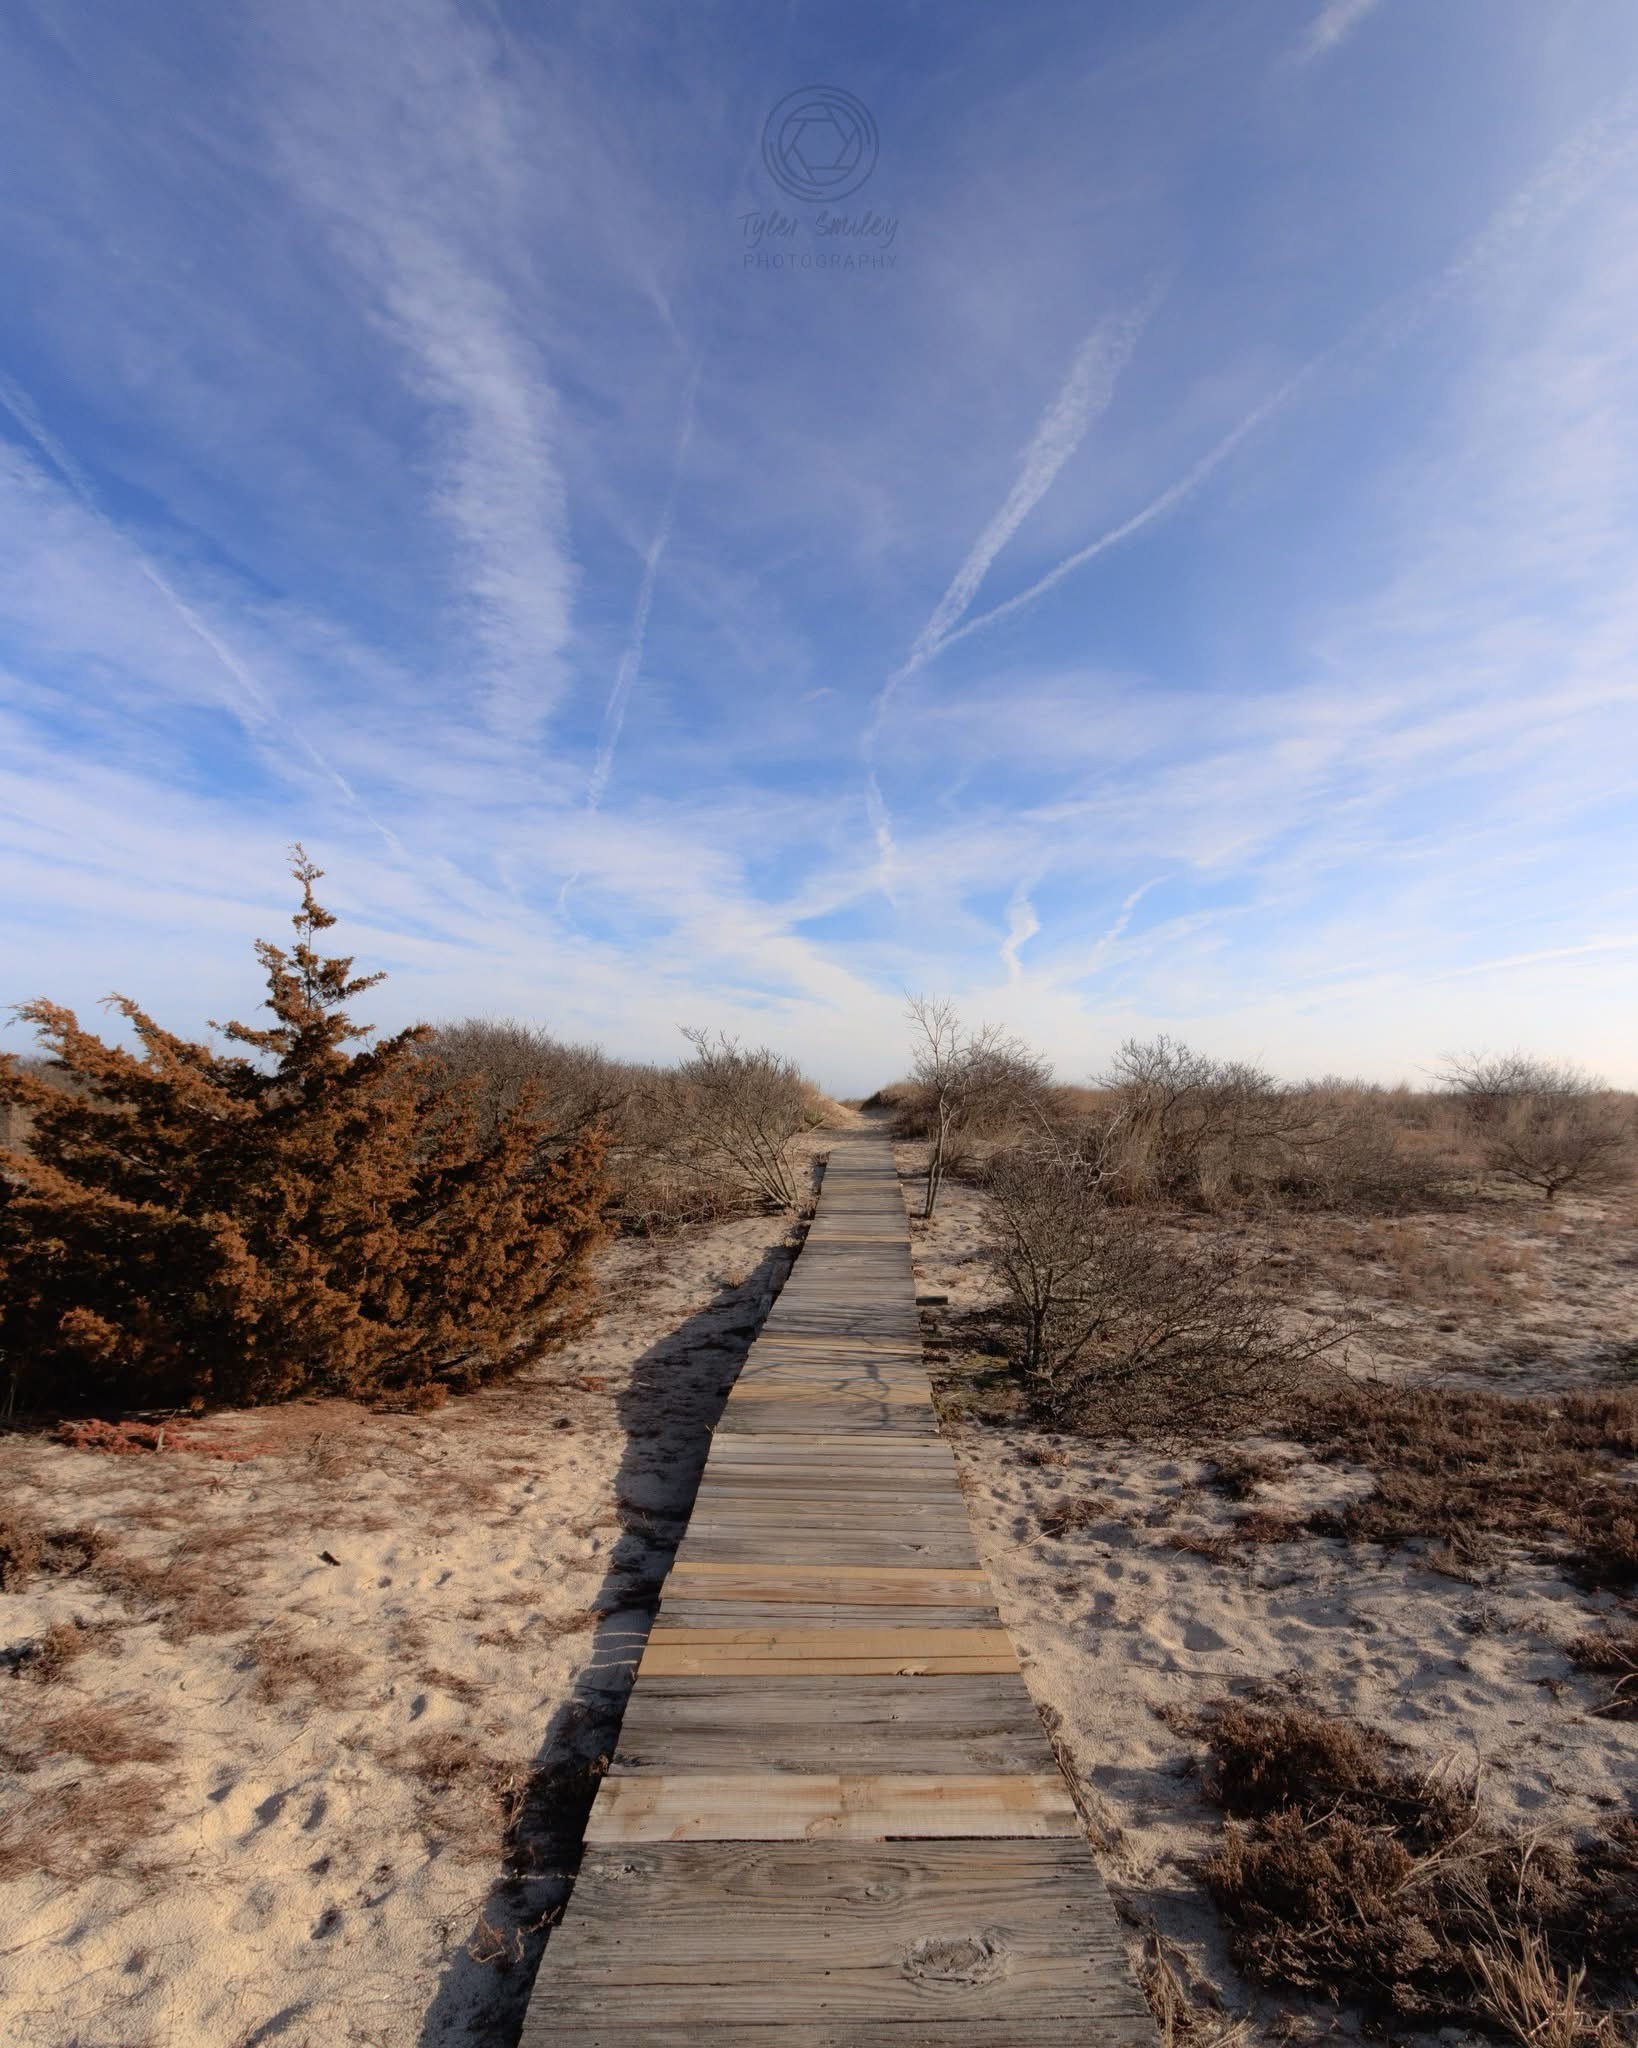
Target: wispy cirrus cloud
<point>362,331</point>
<point>631,657</point>
<point>1335,20</point>
<point>1087,391</point>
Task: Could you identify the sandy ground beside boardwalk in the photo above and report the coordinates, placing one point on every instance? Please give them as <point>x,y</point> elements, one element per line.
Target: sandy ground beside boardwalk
<point>1124,1638</point>
<point>270,1751</point>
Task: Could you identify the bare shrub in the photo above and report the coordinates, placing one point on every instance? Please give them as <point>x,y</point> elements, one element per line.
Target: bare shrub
<point>1123,1330</point>
<point>1168,1124</point>
<point>743,1109</point>
<point>1190,1129</point>
<point>286,1215</point>
<point>968,1084</point>
<point>1543,1123</point>
<point>1346,1148</point>
<point>504,1068</point>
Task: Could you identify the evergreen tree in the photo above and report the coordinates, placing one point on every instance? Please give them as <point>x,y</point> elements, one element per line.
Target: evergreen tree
<point>302,1212</point>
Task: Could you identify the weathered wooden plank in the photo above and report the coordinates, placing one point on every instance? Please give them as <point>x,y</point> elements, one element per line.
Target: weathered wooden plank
<point>764,1549</point>
<point>861,1582</point>
<point>791,1639</point>
<point>829,1390</point>
<point>833,1819</point>
<point>1093,2026</point>
<point>788,1806</point>
<point>681,1611</point>
<point>834,1934</point>
<point>678,1650</point>
<point>972,1725</point>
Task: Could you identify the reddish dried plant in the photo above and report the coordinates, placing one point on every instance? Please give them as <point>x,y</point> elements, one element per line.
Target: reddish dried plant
<point>299,1212</point>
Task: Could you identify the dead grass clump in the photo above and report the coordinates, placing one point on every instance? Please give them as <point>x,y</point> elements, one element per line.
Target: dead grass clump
<point>1343,1871</point>
<point>467,1690</point>
<point>28,1546</point>
<point>1468,1473</point>
<point>81,1829</point>
<point>49,1655</point>
<point>465,1798</point>
<point>288,1667</point>
<point>1187,2010</point>
<point>1611,1654</point>
<point>1066,1516</point>
<point>1262,1761</point>
<point>185,1592</point>
<point>1216,1544</point>
<point>21,1543</point>
<point>105,1736</point>
<point>1266,1525</point>
<point>1238,1474</point>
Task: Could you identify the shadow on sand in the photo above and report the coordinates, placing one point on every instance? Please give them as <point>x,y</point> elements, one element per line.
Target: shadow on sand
<point>668,1413</point>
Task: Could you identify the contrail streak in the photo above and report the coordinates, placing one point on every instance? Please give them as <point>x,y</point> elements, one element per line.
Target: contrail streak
<point>263,705</point>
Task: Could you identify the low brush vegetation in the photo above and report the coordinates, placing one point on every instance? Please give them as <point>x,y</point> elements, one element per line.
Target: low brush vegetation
<point>307,1208</point>
<point>1329,1392</point>
<point>1346,1873</point>
<point>1123,1331</point>
<point>1124,1312</point>
<point>1468,1475</point>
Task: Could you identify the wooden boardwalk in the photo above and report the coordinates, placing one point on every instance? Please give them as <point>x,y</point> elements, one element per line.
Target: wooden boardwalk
<point>833,1820</point>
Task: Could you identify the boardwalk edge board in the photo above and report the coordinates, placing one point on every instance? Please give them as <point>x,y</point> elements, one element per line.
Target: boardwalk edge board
<point>833,1819</point>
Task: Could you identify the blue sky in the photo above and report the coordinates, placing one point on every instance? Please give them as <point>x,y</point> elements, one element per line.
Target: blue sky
<point>1187,580</point>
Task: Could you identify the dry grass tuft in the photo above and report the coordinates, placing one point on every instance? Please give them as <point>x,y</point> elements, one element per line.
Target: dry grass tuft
<point>287,1667</point>
<point>27,1546</point>
<point>1612,1654</point>
<point>1238,1474</point>
<point>1227,1546</point>
<point>1470,1473</point>
<point>1186,2009</point>
<point>105,1736</point>
<point>1083,1512</point>
<point>20,1550</point>
<point>48,1656</point>
<point>466,1800</point>
<point>1526,1998</point>
<point>1344,1872</point>
<point>81,1829</point>
<point>467,1690</point>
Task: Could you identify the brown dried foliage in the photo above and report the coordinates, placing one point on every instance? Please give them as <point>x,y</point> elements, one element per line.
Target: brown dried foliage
<point>1119,1328</point>
<point>105,1736</point>
<point>1611,1653</point>
<point>1472,1472</point>
<point>287,1215</point>
<point>1344,1872</point>
<point>289,1667</point>
<point>82,1828</point>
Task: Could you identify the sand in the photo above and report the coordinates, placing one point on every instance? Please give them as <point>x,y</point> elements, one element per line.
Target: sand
<point>355,1641</point>
<point>357,1651</point>
<point>1123,1639</point>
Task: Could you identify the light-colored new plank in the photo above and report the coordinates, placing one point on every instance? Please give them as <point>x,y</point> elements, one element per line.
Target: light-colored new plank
<point>786,1807</point>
